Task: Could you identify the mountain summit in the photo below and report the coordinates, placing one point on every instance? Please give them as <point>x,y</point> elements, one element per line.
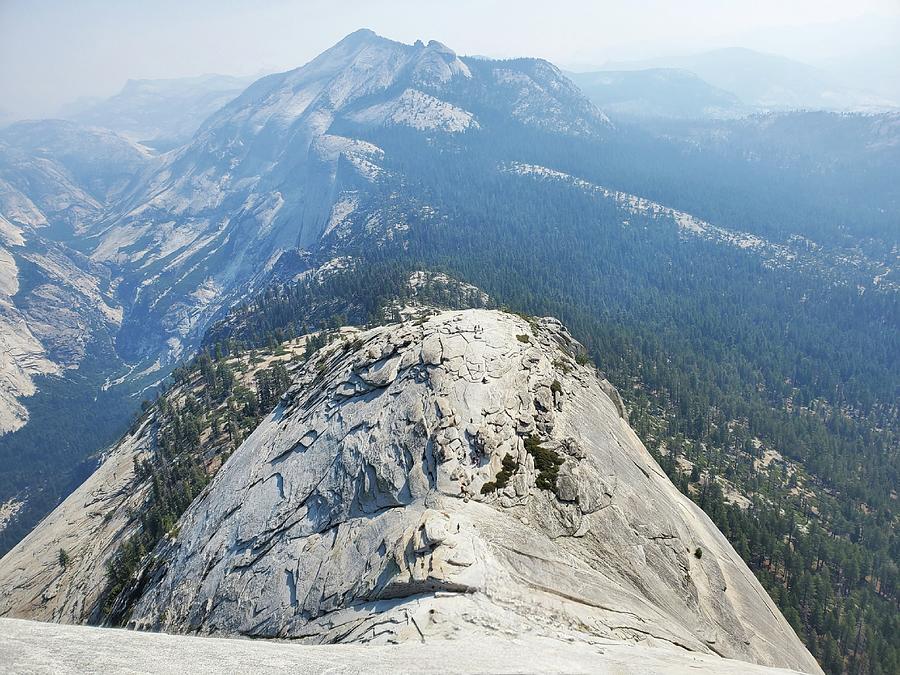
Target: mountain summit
<point>447,477</point>
<point>275,169</point>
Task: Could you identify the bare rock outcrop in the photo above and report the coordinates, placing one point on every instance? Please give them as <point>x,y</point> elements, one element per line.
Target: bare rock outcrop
<point>457,476</point>
<point>89,526</point>
<point>38,648</point>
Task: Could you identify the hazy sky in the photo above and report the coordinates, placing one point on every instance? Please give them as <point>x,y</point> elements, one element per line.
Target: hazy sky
<point>54,51</point>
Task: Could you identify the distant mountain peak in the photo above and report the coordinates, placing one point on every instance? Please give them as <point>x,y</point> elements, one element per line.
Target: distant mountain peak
<point>765,81</point>
<point>363,33</point>
<point>275,168</point>
<point>366,50</point>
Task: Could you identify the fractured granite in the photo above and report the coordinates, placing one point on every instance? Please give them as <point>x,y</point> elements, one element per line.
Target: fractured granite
<point>461,475</point>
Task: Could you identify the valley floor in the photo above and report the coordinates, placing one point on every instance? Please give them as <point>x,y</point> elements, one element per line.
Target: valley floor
<point>33,647</point>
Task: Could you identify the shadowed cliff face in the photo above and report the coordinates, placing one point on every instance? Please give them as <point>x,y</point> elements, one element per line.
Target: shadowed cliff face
<point>438,478</point>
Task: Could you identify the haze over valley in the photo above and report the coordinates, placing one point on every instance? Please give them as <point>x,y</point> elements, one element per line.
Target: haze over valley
<point>402,345</point>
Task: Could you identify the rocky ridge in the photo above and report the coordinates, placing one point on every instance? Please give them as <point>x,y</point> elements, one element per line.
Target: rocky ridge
<point>288,168</point>
<point>452,476</point>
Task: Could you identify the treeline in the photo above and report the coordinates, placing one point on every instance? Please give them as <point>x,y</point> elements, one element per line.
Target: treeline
<point>196,424</point>
<point>370,293</point>
<point>719,341</point>
<point>840,598</point>
<point>821,537</point>
<point>70,418</point>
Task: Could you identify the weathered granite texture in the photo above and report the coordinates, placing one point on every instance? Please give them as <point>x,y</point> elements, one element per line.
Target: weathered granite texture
<point>38,648</point>
<point>93,523</point>
<point>357,511</point>
<point>89,526</point>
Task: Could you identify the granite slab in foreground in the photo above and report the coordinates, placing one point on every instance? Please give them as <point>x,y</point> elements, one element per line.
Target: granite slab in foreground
<point>32,647</point>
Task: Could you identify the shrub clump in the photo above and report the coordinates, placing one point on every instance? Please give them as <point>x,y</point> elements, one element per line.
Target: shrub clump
<point>546,461</point>
<point>698,553</point>
<point>523,338</point>
<point>510,466</point>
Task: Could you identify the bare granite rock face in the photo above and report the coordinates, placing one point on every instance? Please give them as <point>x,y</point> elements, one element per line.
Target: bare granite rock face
<point>95,523</point>
<point>37,648</point>
<point>89,526</point>
<point>22,356</point>
<point>45,330</point>
<point>457,476</point>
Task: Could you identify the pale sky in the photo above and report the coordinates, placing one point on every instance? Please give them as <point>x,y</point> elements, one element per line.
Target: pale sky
<point>55,51</point>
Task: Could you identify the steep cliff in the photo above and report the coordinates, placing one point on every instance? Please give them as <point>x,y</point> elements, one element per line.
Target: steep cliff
<point>458,475</point>
<point>455,476</point>
<point>59,571</point>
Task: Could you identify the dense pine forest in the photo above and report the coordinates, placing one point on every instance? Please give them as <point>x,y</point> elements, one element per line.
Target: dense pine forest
<point>731,358</point>
<point>767,391</point>
<point>186,268</point>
